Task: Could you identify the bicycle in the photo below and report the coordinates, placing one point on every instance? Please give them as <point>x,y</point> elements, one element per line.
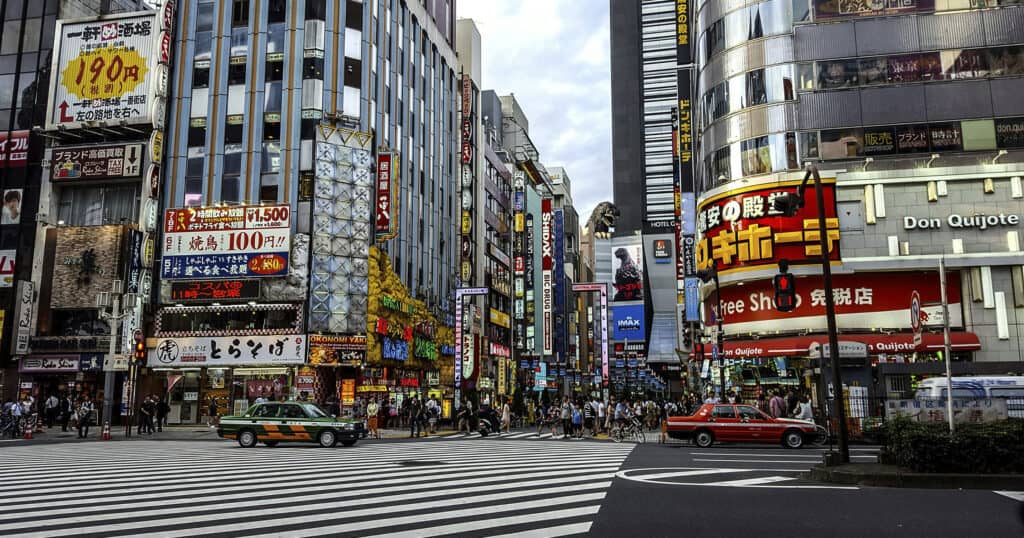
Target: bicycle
<point>9,426</point>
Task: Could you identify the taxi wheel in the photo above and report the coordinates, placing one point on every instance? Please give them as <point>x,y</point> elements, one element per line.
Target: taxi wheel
<point>247,438</point>
<point>793,439</point>
<point>327,438</point>
<point>704,438</point>
<point>348,442</point>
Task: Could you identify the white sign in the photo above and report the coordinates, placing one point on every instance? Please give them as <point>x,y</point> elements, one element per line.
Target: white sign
<point>103,70</point>
<point>24,308</point>
<point>117,363</point>
<point>964,411</point>
<point>229,351</point>
<point>7,258</point>
<point>982,222</point>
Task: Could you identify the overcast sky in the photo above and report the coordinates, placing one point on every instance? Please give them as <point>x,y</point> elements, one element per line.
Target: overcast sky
<point>553,55</point>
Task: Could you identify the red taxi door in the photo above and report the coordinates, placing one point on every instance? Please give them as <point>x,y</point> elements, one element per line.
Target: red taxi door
<point>757,425</point>
<point>724,423</point>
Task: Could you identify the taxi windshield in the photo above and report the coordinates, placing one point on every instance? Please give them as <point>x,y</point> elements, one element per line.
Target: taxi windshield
<point>314,411</point>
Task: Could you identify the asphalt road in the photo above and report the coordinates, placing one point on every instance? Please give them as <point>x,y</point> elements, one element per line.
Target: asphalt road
<point>513,485</point>
<point>747,490</point>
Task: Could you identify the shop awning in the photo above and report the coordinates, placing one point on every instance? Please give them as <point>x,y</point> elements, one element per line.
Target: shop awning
<point>850,345</point>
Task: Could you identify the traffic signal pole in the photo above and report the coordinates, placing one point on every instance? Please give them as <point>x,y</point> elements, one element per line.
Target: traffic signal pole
<point>830,317</point>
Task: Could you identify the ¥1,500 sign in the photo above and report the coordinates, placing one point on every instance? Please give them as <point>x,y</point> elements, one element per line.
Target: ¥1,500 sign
<point>226,242</point>
<point>740,229</point>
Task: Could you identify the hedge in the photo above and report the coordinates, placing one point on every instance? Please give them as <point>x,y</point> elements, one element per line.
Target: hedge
<point>993,447</point>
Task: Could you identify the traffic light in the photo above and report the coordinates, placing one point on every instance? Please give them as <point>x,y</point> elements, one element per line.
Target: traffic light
<point>688,336</point>
<point>785,292</point>
<point>788,204</point>
<point>140,348</point>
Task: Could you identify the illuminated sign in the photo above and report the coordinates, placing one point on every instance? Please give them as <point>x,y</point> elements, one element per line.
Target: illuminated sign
<point>741,230</point>
<point>215,290</point>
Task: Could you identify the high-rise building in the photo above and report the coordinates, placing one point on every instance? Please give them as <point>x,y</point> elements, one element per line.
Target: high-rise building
<point>912,114</point>
<point>325,130</point>
<point>35,215</point>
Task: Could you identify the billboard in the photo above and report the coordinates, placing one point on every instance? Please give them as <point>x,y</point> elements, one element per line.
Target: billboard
<point>628,322</point>
<point>385,226</point>
<point>628,272</point>
<point>107,69</point>
<point>226,242</point>
<point>250,350</point>
<point>740,230</point>
<point>108,161</point>
<point>547,247</point>
<point>7,259</point>
<point>197,291</point>
<point>86,261</point>
<point>13,149</point>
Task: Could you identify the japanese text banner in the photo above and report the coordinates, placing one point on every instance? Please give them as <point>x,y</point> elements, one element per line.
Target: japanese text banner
<point>740,229</point>
<point>229,351</point>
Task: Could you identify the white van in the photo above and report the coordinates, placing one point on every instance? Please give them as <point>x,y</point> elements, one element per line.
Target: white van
<point>1009,387</point>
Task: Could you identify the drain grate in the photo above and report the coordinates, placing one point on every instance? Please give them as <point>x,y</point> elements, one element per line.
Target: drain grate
<point>418,463</point>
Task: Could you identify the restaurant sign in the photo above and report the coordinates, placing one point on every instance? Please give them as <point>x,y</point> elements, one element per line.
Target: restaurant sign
<point>226,242</point>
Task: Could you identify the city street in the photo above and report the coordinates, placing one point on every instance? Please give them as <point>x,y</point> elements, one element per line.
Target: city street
<point>516,485</point>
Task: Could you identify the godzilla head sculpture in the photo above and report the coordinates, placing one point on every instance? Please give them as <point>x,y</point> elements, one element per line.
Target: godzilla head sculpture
<point>603,218</point>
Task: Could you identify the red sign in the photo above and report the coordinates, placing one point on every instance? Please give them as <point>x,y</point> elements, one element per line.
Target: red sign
<point>868,344</point>
<point>467,126</point>
<point>13,150</point>
<point>740,229</point>
<point>384,212</point>
<point>863,302</point>
<point>215,290</point>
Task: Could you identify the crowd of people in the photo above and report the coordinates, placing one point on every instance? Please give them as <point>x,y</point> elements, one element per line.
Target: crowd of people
<point>420,416</point>
<point>62,409</point>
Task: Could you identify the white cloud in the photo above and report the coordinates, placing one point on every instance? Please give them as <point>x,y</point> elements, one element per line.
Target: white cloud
<point>553,55</point>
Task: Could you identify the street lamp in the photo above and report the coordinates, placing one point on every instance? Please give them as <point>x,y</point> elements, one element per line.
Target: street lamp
<point>113,300</point>
<point>789,204</point>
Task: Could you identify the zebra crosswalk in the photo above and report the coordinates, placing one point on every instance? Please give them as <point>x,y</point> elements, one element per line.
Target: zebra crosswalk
<point>526,436</point>
<point>172,488</point>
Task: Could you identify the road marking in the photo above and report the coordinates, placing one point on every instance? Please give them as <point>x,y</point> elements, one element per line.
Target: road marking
<point>636,475</point>
<point>544,436</point>
<point>769,454</point>
<point>561,530</point>
<point>752,461</point>
<point>454,435</point>
<point>519,435</point>
<point>1015,495</point>
<point>754,481</point>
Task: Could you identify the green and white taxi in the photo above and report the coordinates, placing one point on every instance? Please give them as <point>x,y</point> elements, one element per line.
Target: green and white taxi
<point>273,422</point>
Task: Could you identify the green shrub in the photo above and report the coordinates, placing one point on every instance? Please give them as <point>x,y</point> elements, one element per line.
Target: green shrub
<point>993,447</point>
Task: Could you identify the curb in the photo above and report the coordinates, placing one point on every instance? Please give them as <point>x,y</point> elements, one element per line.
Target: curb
<point>903,479</point>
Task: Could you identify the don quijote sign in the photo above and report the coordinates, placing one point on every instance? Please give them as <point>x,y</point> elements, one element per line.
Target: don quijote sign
<point>956,220</point>
<point>106,69</point>
<point>226,242</point>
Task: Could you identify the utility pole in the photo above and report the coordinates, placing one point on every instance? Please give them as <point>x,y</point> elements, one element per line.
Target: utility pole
<point>946,348</point>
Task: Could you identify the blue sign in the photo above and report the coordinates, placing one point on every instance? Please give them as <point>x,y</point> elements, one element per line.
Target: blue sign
<point>517,201</point>
<point>692,297</point>
<point>628,322</point>
<point>689,211</point>
<point>620,363</point>
<point>244,264</point>
<point>524,364</point>
<point>714,352</point>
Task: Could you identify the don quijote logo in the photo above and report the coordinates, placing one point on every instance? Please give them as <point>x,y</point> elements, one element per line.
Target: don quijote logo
<point>894,346</point>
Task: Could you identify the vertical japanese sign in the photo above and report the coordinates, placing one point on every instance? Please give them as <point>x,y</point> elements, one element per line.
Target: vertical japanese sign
<point>467,124</point>
<point>105,69</point>
<point>547,246</point>
<point>385,226</point>
<point>23,311</point>
<point>462,348</point>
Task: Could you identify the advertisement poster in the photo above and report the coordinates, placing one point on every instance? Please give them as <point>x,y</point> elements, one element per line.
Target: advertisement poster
<point>13,149</point>
<point>104,70</point>
<point>112,161</point>
<point>384,222</point>
<point>741,229</point>
<point>547,247</point>
<point>12,207</point>
<point>229,350</point>
<point>628,322</point>
<point>627,272</point>
<point>226,242</point>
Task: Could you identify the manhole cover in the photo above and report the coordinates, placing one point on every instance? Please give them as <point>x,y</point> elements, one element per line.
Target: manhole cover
<point>418,463</point>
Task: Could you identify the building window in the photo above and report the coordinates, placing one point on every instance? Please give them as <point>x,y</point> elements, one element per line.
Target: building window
<point>204,16</point>
<point>233,133</point>
<point>275,71</point>
<point>240,13</point>
<point>272,130</point>
<point>316,10</point>
<point>236,74</point>
<point>269,187</point>
<point>201,77</point>
<point>313,68</point>
<point>277,11</point>
<point>197,135</point>
<point>354,15</point>
<point>93,206</point>
<point>354,72</point>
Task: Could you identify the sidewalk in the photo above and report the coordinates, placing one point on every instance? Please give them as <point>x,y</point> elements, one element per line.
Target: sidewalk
<point>890,476</point>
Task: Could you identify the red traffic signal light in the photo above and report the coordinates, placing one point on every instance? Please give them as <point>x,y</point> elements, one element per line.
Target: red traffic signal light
<point>785,292</point>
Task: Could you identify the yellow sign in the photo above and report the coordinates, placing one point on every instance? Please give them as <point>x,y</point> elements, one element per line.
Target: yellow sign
<point>519,222</point>
<point>500,318</point>
<point>371,388</point>
<point>467,222</point>
<point>104,73</point>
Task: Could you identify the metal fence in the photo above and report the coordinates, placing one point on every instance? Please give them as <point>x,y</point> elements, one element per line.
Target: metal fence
<point>865,416</point>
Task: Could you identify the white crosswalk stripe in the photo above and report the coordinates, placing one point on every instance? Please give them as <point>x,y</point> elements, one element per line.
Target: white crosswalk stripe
<point>170,488</point>
<point>1015,495</point>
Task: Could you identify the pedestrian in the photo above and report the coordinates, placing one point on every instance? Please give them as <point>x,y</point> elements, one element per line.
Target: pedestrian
<point>162,410</point>
<point>51,406</point>
<point>577,421</point>
<point>84,414</point>
<point>142,417</point>
<point>588,417</point>
<point>566,416</point>
<point>805,411</point>
<point>777,405</point>
<point>463,416</point>
<point>150,406</point>
<point>792,403</point>
<point>433,413</point>
<point>66,408</point>
<point>213,411</point>
<point>16,410</point>
<point>415,414</point>
<point>372,411</point>
<point>506,416</point>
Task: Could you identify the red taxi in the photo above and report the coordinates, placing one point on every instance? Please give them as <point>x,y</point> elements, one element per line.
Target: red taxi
<point>742,423</point>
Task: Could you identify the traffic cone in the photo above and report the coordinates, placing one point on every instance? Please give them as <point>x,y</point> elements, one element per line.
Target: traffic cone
<point>39,425</point>
<point>105,436</point>
<point>28,433</point>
